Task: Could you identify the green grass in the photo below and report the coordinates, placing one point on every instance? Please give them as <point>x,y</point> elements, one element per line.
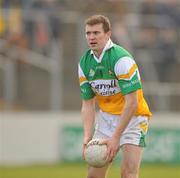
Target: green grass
<point>79,171</point>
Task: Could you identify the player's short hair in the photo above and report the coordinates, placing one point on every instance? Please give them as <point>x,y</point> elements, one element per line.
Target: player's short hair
<point>99,19</point>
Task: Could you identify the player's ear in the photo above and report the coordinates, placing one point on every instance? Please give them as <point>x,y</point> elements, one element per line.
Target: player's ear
<point>109,33</point>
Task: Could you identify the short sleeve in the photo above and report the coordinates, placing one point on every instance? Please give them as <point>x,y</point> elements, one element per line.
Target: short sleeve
<point>85,88</point>
<point>128,75</point>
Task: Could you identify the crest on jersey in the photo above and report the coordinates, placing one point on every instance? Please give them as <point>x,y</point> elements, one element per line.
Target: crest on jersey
<point>110,72</point>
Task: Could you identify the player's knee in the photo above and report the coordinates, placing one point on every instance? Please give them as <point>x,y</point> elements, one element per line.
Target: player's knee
<point>129,173</point>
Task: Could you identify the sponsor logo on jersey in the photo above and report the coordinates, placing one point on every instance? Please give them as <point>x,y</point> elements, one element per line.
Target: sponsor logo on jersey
<point>105,87</point>
<point>131,83</point>
<point>83,90</point>
<point>91,73</point>
<point>99,67</point>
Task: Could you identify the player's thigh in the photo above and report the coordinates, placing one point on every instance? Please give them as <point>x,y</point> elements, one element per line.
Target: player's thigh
<point>97,172</point>
<point>131,157</point>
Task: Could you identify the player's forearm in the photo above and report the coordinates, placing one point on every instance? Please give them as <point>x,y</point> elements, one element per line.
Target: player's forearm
<point>88,117</point>
<point>128,112</point>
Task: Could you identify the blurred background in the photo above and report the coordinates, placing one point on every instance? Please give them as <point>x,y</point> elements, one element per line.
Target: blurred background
<point>41,42</point>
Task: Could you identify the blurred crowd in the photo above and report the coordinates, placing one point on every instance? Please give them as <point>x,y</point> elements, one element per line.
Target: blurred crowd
<point>159,25</point>
<point>160,33</point>
<point>20,27</point>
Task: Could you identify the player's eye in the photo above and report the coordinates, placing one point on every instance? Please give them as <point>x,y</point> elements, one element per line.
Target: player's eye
<point>88,33</point>
<point>96,32</point>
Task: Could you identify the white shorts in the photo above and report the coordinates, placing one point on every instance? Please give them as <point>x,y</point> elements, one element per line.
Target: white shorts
<point>133,134</point>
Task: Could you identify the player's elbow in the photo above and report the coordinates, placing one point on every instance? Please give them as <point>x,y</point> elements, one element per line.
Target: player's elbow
<point>88,106</point>
<point>86,109</point>
<point>131,102</point>
<point>133,105</point>
<point>83,110</point>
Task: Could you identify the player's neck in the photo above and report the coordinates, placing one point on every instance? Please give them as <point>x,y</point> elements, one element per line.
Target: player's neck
<point>98,53</point>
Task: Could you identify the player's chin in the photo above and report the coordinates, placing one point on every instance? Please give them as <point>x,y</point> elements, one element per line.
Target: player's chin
<point>93,46</point>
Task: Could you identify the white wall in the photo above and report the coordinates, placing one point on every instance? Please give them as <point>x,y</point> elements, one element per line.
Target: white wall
<point>27,138</point>
<point>31,137</point>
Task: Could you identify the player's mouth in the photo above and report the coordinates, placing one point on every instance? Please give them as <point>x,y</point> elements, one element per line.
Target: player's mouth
<point>93,43</point>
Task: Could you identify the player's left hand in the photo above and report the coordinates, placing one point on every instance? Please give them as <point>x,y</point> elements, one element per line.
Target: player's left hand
<point>112,147</point>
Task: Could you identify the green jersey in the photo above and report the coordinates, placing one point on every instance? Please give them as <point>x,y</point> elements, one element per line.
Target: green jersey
<point>110,77</point>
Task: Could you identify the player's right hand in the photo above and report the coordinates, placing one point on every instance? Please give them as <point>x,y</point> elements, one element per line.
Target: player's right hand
<point>85,142</point>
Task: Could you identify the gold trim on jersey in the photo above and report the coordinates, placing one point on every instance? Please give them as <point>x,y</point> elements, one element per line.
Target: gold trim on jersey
<point>129,74</point>
<point>82,80</point>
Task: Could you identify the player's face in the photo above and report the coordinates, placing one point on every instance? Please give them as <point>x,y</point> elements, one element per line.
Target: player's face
<point>96,37</point>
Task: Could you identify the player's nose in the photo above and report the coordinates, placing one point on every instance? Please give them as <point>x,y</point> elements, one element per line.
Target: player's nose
<point>91,36</point>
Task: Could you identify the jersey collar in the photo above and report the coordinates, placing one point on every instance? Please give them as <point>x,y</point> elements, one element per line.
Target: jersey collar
<point>108,45</point>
